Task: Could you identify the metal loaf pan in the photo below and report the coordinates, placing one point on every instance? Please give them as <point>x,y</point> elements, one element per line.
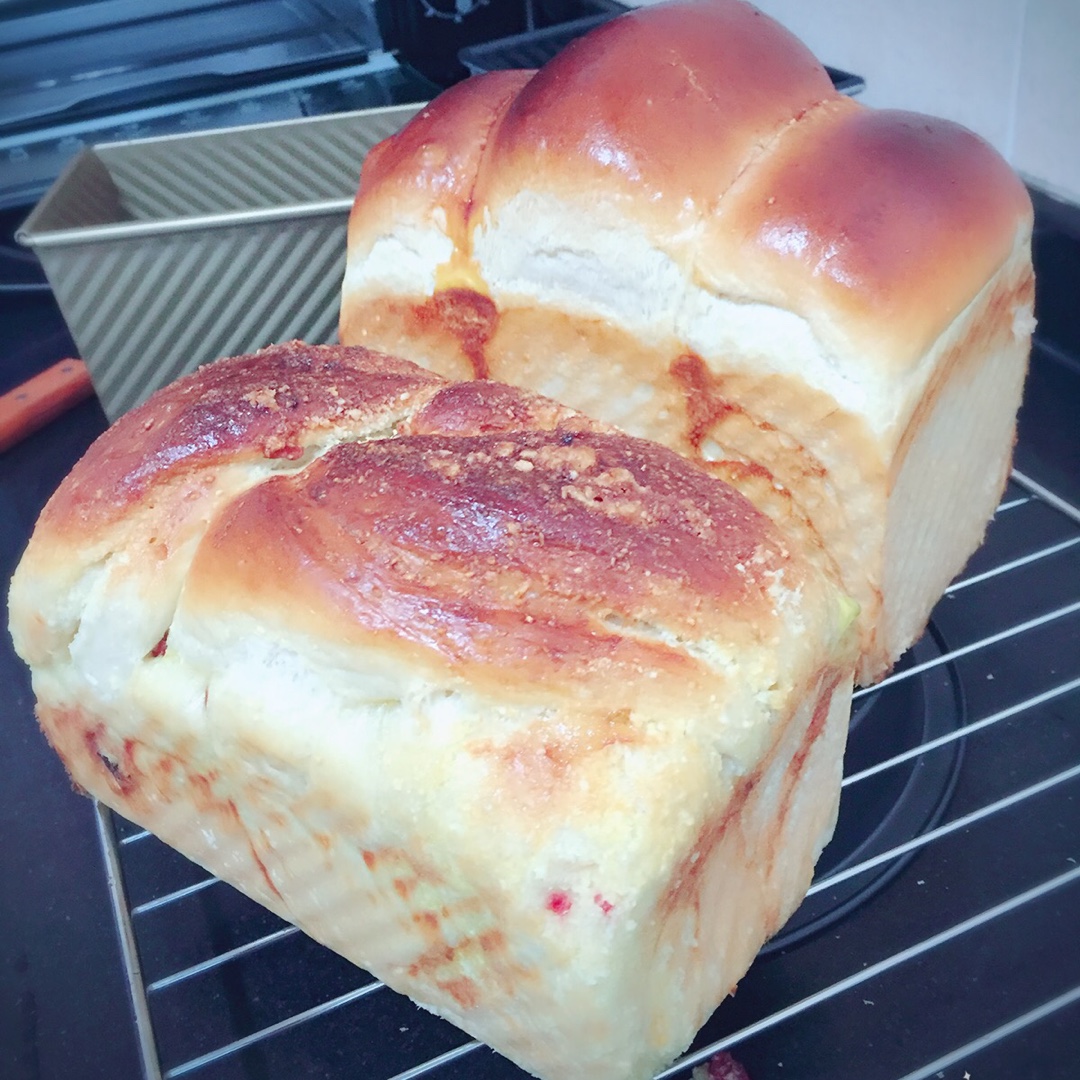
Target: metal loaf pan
<point>168,253</point>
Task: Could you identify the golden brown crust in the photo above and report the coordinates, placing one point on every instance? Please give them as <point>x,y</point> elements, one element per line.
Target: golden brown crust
<point>436,155</point>
<point>471,528</point>
<point>665,106</point>
<point>564,553</point>
<point>489,408</point>
<point>264,406</point>
<point>883,224</point>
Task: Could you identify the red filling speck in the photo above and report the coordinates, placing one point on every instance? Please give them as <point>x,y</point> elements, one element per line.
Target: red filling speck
<point>559,902</point>
<point>159,648</point>
<point>723,1066</point>
<point>604,905</point>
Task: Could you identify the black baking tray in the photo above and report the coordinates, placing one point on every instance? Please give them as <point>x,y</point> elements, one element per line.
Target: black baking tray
<point>534,48</point>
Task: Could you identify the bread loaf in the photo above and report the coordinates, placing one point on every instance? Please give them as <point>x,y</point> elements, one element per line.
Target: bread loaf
<point>678,226</point>
<point>319,619</point>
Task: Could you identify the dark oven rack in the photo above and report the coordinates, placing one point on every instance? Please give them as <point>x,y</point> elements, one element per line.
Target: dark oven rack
<point>969,912</point>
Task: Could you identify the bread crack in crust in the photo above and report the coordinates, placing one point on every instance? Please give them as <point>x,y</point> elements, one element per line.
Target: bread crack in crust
<point>540,723</point>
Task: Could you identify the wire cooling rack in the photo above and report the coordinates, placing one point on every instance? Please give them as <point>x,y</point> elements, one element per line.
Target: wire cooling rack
<point>964,960</point>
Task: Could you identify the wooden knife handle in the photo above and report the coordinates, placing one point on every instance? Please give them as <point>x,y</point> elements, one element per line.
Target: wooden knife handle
<point>44,397</point>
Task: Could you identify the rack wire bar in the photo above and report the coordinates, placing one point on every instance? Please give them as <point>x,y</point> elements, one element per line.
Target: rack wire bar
<point>426,1067</point>
<point>1015,564</point>
<point>1047,496</point>
<point>129,952</point>
<point>963,732</point>
<point>871,971</point>
<point>1012,504</point>
<point>1033,1016</point>
<point>974,646</point>
<point>265,1033</point>
<point>222,958</point>
<point>172,897</point>
<point>955,825</point>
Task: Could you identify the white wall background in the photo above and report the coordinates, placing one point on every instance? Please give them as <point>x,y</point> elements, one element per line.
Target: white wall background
<point>1007,69</point>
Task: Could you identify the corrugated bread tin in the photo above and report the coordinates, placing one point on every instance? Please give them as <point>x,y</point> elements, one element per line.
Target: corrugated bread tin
<point>168,253</point>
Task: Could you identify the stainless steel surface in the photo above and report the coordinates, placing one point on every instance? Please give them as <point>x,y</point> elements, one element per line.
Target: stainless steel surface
<point>865,970</point>
<point>168,253</point>
<point>75,73</point>
<point>129,50</point>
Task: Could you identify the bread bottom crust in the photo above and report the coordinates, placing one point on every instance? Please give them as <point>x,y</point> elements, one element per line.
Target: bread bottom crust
<point>463,953</point>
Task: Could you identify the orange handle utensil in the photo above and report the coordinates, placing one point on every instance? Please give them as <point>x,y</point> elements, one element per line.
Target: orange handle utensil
<point>44,397</point>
